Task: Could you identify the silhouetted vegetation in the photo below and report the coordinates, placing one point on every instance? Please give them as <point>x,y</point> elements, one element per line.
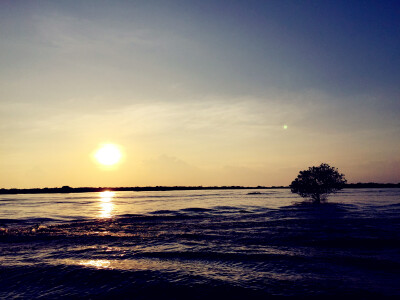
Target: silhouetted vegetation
<point>68,189</point>
<point>317,182</point>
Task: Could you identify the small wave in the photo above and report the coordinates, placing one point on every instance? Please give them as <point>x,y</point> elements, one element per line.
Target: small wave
<point>82,197</point>
<point>196,209</point>
<point>221,256</point>
<point>11,221</point>
<point>261,193</point>
<point>323,207</point>
<point>26,221</point>
<point>144,196</point>
<point>226,210</point>
<point>155,217</point>
<point>225,207</point>
<point>38,220</point>
<point>162,212</point>
<point>396,205</point>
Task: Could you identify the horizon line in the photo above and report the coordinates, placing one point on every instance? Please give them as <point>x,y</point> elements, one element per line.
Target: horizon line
<point>68,189</point>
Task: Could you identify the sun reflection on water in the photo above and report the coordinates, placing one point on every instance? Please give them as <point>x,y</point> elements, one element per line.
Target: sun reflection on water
<point>106,205</point>
<point>97,263</point>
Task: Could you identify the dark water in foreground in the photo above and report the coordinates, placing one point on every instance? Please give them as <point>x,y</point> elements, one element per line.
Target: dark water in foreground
<point>197,245</point>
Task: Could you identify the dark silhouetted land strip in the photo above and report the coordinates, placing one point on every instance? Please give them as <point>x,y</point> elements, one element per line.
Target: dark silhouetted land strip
<point>67,189</point>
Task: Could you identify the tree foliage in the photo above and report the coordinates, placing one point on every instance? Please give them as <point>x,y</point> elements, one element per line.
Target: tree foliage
<point>317,182</point>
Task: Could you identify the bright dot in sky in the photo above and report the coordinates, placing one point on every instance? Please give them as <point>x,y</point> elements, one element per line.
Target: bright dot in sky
<point>108,155</point>
<point>285,126</point>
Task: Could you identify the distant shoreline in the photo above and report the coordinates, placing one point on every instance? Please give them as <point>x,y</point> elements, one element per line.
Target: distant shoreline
<point>67,189</point>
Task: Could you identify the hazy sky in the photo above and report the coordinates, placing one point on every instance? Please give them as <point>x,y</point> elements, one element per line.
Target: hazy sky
<point>198,92</point>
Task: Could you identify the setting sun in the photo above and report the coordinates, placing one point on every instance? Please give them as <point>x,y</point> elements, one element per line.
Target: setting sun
<point>108,155</point>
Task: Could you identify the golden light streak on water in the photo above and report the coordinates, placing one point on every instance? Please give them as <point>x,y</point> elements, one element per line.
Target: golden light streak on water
<point>97,263</point>
<point>106,204</point>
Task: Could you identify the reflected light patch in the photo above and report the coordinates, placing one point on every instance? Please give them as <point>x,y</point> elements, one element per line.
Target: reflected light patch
<point>106,205</point>
<point>120,264</point>
<point>107,195</point>
<point>97,263</point>
<point>285,127</point>
<point>106,210</point>
<point>108,155</point>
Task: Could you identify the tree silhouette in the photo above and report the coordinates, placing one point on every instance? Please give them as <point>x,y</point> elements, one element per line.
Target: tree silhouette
<point>317,182</point>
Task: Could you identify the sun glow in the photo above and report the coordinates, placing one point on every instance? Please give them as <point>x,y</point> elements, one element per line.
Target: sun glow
<point>108,155</point>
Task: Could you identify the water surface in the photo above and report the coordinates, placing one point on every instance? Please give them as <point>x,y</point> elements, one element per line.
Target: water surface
<point>199,244</point>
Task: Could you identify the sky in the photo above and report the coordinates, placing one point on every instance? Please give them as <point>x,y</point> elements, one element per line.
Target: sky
<point>198,92</point>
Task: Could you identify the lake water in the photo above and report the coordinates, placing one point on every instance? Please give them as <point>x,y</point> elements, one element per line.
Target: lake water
<point>226,244</point>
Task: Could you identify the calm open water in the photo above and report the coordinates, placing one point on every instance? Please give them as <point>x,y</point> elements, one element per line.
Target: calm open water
<point>226,244</point>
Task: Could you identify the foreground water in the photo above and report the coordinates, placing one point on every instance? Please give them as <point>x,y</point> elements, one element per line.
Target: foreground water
<point>199,244</point>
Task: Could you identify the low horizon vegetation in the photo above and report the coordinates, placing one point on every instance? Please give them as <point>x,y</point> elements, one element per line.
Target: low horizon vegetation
<point>317,183</point>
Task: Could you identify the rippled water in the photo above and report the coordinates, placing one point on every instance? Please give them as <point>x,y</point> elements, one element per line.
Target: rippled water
<point>199,244</point>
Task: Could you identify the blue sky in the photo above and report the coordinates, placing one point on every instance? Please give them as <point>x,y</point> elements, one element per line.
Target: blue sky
<point>199,87</point>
